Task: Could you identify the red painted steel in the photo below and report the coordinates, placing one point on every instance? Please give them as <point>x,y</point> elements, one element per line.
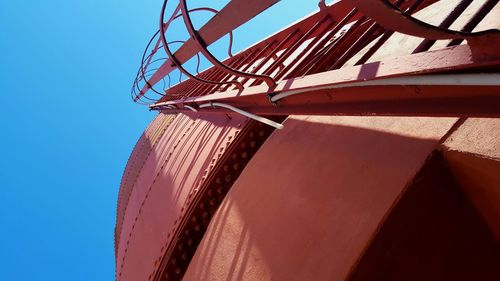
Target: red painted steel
<point>137,159</point>
<point>350,58</point>
<point>305,210</point>
<point>203,47</point>
<point>170,176</point>
<point>303,25</point>
<point>326,54</point>
<point>459,57</point>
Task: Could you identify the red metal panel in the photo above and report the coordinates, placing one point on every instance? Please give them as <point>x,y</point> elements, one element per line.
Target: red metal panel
<point>140,154</point>
<point>473,154</point>
<point>433,233</point>
<point>162,204</point>
<point>313,196</point>
<point>435,101</point>
<point>170,176</point>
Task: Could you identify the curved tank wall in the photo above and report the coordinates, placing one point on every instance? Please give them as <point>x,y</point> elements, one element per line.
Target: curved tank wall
<point>173,165</point>
<point>209,196</point>
<point>319,200</point>
<point>348,198</point>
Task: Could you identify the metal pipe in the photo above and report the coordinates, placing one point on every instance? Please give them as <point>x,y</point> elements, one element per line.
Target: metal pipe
<point>244,113</point>
<point>190,108</point>
<point>476,79</point>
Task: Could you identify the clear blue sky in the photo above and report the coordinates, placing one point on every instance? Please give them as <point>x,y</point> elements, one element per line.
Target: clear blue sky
<point>68,126</point>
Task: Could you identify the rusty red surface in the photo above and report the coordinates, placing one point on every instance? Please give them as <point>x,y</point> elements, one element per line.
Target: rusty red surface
<point>209,194</point>
<point>312,198</point>
<point>136,161</point>
<point>345,33</point>
<point>180,161</point>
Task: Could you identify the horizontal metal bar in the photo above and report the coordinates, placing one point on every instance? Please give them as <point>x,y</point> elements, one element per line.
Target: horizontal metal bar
<point>384,100</point>
<point>453,58</point>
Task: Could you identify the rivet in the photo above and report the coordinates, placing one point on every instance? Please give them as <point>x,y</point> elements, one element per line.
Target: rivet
<point>253,144</point>
<point>244,155</point>
<point>228,178</point>
<point>220,190</point>
<point>236,166</point>
<point>261,133</point>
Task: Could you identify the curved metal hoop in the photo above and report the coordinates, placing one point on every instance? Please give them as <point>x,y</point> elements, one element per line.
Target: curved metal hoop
<point>143,67</point>
<point>144,77</point>
<point>144,58</point>
<point>388,15</point>
<point>204,50</point>
<point>175,61</point>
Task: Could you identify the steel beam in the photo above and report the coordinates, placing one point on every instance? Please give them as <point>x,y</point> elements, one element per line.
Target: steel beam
<point>323,93</point>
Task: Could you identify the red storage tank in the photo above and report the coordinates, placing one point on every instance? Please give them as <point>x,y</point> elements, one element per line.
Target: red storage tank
<point>360,143</point>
